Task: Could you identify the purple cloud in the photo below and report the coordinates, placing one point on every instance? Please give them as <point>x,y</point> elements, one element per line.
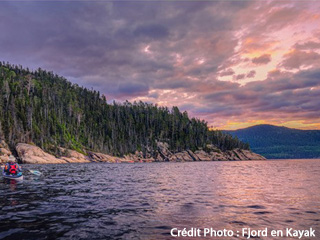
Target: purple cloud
<point>263,59</point>
<point>297,59</point>
<point>227,72</point>
<point>173,53</point>
<point>251,74</point>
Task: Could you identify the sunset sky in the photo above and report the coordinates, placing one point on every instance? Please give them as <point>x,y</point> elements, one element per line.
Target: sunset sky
<point>233,63</point>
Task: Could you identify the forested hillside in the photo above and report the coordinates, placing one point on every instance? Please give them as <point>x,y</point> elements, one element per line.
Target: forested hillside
<point>42,108</point>
<point>281,142</point>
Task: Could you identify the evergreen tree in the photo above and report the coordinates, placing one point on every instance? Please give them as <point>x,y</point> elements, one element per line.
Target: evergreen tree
<point>45,109</point>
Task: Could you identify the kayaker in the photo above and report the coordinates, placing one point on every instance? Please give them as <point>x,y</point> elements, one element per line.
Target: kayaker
<point>12,167</point>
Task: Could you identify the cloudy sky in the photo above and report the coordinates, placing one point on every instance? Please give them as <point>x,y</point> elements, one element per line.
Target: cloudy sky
<point>232,63</point>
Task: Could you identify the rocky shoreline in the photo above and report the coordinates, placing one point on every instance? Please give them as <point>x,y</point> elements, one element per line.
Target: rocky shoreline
<point>31,154</point>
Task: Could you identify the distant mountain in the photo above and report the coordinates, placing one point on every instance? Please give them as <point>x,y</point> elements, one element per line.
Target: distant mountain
<point>280,142</point>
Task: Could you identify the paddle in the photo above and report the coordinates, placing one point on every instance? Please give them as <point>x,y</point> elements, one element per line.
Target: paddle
<point>35,172</point>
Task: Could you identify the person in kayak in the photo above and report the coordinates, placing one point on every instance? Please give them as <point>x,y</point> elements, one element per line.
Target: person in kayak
<point>12,168</point>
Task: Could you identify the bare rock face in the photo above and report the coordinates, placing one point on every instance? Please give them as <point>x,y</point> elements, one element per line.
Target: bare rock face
<point>181,156</point>
<point>215,154</point>
<point>31,154</point>
<point>164,153</point>
<point>248,155</point>
<point>4,152</point>
<point>72,156</point>
<point>194,156</point>
<point>100,157</point>
<point>236,155</point>
<point>232,156</point>
<point>138,157</point>
<point>35,155</point>
<point>203,156</point>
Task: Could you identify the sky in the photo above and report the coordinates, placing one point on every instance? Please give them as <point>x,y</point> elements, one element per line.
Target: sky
<point>232,63</point>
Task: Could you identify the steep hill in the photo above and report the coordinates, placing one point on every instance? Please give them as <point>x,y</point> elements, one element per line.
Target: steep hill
<point>280,142</point>
<point>44,109</point>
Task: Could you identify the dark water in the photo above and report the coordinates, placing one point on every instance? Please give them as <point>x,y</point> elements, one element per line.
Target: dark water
<point>144,201</point>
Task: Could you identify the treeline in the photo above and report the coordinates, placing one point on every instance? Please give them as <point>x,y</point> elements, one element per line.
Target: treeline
<point>45,109</point>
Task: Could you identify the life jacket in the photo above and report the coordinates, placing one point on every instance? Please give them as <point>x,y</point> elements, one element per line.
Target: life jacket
<point>13,169</point>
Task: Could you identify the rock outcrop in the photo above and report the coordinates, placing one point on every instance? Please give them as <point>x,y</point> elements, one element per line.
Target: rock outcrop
<point>100,157</point>
<point>214,154</point>
<point>72,156</point>
<point>34,155</point>
<point>243,155</point>
<point>4,152</point>
<point>31,154</point>
<point>232,155</point>
<point>28,153</point>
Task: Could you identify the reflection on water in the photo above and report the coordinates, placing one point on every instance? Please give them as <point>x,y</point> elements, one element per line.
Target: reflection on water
<point>144,201</point>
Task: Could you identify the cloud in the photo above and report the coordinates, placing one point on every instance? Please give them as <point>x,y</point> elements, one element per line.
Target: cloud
<point>173,53</point>
<point>279,17</point>
<point>133,89</point>
<point>257,42</point>
<point>297,59</point>
<point>263,59</point>
<point>240,76</point>
<point>285,96</point>
<point>251,74</point>
<point>307,45</point>
<point>227,72</point>
<point>151,31</point>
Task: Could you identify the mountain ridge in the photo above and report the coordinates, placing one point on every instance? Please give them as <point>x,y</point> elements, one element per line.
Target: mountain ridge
<point>280,142</point>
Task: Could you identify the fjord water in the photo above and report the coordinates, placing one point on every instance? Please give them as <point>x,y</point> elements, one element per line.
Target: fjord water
<point>144,201</point>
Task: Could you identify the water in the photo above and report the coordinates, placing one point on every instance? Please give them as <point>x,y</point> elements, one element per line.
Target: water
<point>144,201</point>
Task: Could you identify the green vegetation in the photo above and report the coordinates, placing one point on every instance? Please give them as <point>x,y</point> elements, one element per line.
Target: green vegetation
<point>42,108</point>
<point>280,142</point>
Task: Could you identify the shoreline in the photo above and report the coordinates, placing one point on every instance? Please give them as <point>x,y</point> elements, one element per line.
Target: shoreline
<point>291,159</point>
<point>31,154</point>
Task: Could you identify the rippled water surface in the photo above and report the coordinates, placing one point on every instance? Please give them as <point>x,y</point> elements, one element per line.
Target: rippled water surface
<point>144,201</point>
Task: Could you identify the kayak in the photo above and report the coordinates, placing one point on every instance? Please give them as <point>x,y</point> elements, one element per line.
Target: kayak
<point>19,176</point>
